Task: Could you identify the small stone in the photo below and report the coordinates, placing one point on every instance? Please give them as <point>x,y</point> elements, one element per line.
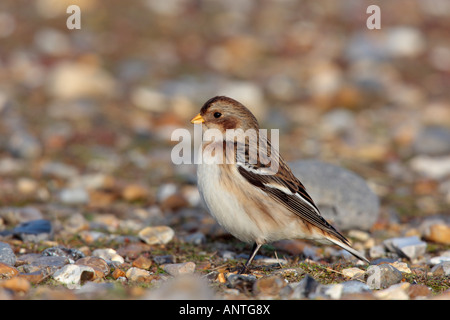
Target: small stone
<point>441,269</point>
<point>58,170</point>
<point>156,235</point>
<point>139,275</point>
<point>394,292</point>
<point>16,215</point>
<point>377,251</point>
<point>353,273</point>
<point>109,255</point>
<point>432,141</point>
<point>71,254</point>
<point>354,287</point>
<point>73,274</point>
<point>142,263</point>
<point>240,281</point>
<point>99,265</point>
<point>46,264</point>
<point>432,167</point>
<point>305,288</point>
<point>33,277</point>
<point>134,192</point>
<point>74,196</point>
<point>7,271</point>
<point>7,255</point>
<point>195,238</point>
<point>176,269</point>
<point>269,286</point>
<point>354,207</point>
<point>401,266</point>
<point>382,276</point>
<point>133,250</point>
<point>16,284</point>
<point>186,287</point>
<point>118,273</point>
<point>34,231</point>
<point>409,247</point>
<point>221,277</point>
<point>439,233</point>
<point>89,236</point>
<point>76,223</point>
<point>27,186</point>
<point>164,259</point>
<point>418,291</point>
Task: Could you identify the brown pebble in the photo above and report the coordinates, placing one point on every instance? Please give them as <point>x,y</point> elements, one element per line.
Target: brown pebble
<point>99,265</point>
<point>6,271</point>
<point>16,284</point>
<point>418,290</point>
<point>142,263</point>
<point>117,273</point>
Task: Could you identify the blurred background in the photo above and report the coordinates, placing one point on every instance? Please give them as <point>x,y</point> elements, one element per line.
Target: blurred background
<point>86,115</point>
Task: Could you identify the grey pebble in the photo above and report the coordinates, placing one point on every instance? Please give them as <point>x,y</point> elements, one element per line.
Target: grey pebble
<point>7,255</point>
<point>343,197</point>
<point>409,247</point>
<point>432,140</point>
<point>383,276</point>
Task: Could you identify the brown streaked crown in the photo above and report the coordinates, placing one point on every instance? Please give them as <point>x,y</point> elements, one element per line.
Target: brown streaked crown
<point>233,114</point>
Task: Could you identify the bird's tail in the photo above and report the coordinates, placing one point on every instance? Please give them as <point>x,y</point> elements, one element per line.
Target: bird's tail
<point>347,247</point>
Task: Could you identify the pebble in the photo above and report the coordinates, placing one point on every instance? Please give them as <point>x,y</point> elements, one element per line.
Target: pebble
<point>432,141</point>
<point>354,273</point>
<point>7,271</point>
<point>16,284</point>
<point>142,263</point>
<point>58,170</point>
<point>185,287</point>
<point>134,274</point>
<point>196,238</point>
<point>441,269</point>
<point>34,231</point>
<point>409,247</point>
<point>382,276</point>
<point>7,255</point>
<point>240,281</point>
<point>394,292</point>
<point>109,255</point>
<point>431,167</point>
<point>16,215</point>
<point>439,233</point>
<point>69,253</point>
<point>72,275</point>
<point>47,264</point>
<point>134,192</point>
<point>418,291</point>
<point>304,289</point>
<point>156,235</point>
<point>269,286</point>
<point>177,269</point>
<point>71,80</point>
<point>354,207</point>
<point>74,196</point>
<point>401,266</point>
<point>99,265</point>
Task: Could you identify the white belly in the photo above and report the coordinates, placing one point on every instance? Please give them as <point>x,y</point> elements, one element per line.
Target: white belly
<point>224,206</point>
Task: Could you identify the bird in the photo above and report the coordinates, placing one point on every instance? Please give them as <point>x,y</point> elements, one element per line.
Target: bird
<point>253,203</point>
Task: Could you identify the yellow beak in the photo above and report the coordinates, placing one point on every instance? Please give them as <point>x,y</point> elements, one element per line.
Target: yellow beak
<point>198,119</point>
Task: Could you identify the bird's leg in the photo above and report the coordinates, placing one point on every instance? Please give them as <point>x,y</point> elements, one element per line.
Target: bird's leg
<point>255,249</point>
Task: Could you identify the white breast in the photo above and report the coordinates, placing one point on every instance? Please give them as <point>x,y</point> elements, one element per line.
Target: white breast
<point>223,205</point>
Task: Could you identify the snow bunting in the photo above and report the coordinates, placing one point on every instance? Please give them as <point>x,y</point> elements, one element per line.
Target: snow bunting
<point>253,203</point>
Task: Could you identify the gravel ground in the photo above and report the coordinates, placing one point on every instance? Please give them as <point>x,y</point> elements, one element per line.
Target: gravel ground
<point>92,207</point>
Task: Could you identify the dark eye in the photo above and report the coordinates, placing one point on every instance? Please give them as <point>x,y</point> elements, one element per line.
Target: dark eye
<point>217,114</point>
